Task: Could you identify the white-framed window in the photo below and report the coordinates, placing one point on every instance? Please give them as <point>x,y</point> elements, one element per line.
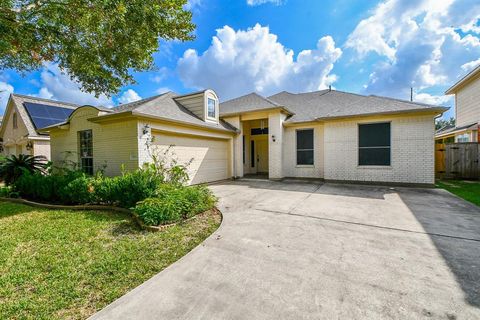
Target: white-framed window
<point>374,144</point>
<point>463,137</point>
<point>211,108</point>
<point>305,147</point>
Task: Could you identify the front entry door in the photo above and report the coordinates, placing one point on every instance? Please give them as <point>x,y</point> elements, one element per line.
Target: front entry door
<point>262,156</point>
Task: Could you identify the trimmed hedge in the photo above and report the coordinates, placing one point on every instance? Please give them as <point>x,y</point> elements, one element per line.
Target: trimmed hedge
<point>76,187</point>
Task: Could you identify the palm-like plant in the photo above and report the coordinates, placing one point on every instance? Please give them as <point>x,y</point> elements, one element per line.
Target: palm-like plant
<point>14,166</point>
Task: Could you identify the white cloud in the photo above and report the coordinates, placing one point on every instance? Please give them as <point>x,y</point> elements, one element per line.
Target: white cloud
<point>432,99</point>
<point>129,96</point>
<point>470,65</point>
<point>160,75</point>
<point>239,62</point>
<point>162,90</point>
<point>419,41</point>
<point>58,85</point>
<point>192,4</point>
<point>5,90</point>
<point>260,2</point>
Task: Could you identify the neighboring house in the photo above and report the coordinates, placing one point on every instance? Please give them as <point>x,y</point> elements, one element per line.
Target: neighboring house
<point>467,111</point>
<point>24,117</point>
<point>329,135</point>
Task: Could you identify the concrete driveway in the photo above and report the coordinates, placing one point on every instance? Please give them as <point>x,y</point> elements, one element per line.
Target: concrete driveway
<point>322,251</point>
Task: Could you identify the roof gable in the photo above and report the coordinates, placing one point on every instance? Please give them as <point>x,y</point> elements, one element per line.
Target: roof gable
<point>247,103</point>
<point>472,75</point>
<point>165,106</point>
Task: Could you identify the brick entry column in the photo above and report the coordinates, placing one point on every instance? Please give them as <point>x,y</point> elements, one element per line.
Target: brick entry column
<point>275,145</point>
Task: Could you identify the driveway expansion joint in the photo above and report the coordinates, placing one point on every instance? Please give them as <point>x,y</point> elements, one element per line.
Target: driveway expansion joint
<point>369,225</point>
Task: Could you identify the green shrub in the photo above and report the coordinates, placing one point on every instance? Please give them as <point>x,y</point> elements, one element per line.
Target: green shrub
<point>157,211</point>
<point>46,188</point>
<point>5,192</point>
<point>80,190</point>
<point>35,186</point>
<point>199,199</point>
<point>13,167</point>
<point>106,190</point>
<point>174,203</point>
<point>131,187</point>
<point>68,186</point>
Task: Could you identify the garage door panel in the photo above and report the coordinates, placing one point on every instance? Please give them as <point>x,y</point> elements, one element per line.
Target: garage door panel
<point>208,158</point>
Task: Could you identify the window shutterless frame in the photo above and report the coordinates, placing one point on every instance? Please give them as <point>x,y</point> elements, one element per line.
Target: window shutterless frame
<point>211,108</point>
<point>85,148</point>
<point>305,150</point>
<point>374,151</point>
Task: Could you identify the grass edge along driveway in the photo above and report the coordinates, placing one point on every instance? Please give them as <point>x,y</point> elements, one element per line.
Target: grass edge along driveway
<point>468,190</point>
<point>59,264</point>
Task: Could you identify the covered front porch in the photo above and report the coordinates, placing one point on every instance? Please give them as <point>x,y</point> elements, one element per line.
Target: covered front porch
<point>257,149</point>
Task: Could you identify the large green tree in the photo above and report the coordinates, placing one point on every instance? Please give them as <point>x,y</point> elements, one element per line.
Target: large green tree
<point>100,43</point>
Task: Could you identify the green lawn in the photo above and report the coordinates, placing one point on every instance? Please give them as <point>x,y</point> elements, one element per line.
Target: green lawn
<point>58,264</point>
<point>468,190</point>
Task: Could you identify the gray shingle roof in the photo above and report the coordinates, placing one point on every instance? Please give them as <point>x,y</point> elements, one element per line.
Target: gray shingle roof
<point>451,129</point>
<point>332,104</point>
<point>323,104</point>
<point>19,99</point>
<point>165,106</point>
<point>246,103</point>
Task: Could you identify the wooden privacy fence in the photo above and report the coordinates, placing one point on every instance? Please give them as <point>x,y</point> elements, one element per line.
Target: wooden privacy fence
<point>457,160</point>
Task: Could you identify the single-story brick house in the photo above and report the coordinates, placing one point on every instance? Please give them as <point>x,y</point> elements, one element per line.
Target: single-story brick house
<point>328,134</point>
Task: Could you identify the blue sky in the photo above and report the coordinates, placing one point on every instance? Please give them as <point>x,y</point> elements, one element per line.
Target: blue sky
<point>368,47</point>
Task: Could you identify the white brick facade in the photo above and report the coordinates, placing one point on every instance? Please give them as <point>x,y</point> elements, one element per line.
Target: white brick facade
<point>290,167</point>
<point>412,153</point>
<point>275,148</point>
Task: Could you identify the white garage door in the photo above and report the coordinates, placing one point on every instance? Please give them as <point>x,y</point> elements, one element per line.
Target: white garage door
<point>208,158</point>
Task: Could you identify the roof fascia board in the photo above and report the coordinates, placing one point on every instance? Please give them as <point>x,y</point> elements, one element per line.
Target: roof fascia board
<point>471,76</point>
<point>432,111</point>
<point>6,115</point>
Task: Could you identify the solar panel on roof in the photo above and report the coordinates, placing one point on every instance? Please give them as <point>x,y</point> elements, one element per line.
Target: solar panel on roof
<point>43,115</point>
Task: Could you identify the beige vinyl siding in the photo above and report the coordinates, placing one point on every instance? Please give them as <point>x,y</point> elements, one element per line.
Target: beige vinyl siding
<point>207,159</point>
<point>412,151</point>
<point>114,144</point>
<point>197,104</point>
<point>467,103</point>
<point>194,103</point>
<point>290,167</point>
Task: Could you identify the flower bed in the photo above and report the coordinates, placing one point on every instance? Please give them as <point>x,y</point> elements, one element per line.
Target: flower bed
<point>156,196</point>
